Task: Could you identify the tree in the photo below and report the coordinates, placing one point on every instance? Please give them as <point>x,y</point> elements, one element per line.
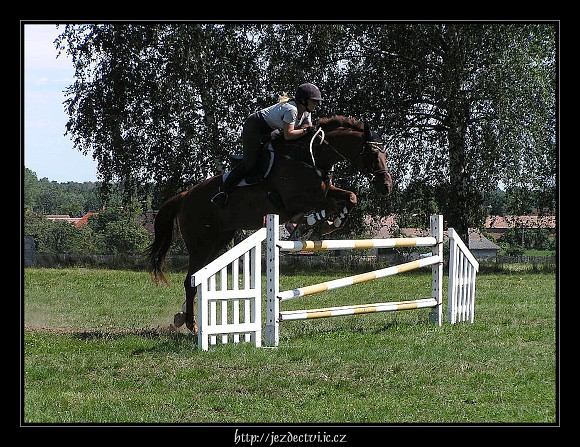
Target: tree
<point>450,98</point>
<point>158,103</point>
<point>495,202</point>
<point>31,189</point>
<point>57,236</point>
<point>71,198</point>
<point>463,106</point>
<point>118,231</point>
<point>528,238</point>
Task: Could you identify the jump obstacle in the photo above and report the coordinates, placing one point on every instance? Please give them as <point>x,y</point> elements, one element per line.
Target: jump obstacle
<point>238,295</point>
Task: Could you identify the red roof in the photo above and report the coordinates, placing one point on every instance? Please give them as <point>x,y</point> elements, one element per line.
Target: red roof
<point>83,220</point>
<point>505,222</point>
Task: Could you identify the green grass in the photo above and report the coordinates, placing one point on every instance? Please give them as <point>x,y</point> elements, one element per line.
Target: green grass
<point>97,350</point>
<point>534,252</point>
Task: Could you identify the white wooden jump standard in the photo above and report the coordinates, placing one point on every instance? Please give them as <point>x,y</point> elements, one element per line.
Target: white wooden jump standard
<point>274,296</point>
<point>462,271</point>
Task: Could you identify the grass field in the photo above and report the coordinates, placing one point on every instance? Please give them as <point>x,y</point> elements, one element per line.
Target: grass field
<point>97,349</point>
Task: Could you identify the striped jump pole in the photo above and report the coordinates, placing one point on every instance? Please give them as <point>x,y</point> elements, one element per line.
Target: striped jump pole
<point>357,279</point>
<point>360,244</point>
<point>356,309</point>
<point>274,296</point>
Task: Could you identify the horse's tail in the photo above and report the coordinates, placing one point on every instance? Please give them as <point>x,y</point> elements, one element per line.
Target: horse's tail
<point>164,228</point>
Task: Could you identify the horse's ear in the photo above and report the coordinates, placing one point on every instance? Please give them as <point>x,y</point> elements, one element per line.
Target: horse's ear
<point>367,132</point>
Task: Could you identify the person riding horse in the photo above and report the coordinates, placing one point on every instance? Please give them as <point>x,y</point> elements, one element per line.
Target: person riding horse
<point>207,229</point>
<point>292,115</point>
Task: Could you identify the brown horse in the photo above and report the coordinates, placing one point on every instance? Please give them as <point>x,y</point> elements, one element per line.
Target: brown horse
<point>299,182</point>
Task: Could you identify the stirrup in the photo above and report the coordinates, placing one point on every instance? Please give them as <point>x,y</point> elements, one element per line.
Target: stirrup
<point>220,198</point>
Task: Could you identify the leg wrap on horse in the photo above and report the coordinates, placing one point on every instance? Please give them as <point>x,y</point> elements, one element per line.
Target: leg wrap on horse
<point>314,218</point>
<point>340,218</point>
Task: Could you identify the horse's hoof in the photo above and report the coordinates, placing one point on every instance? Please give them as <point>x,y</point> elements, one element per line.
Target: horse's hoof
<point>191,325</point>
<point>179,319</point>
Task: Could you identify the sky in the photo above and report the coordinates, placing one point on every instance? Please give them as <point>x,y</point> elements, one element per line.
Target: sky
<point>47,151</point>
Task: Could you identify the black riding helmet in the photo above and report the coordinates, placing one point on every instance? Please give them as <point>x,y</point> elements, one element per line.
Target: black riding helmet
<point>307,91</point>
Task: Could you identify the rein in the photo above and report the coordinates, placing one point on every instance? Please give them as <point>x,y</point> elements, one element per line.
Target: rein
<point>322,140</point>
<point>379,145</point>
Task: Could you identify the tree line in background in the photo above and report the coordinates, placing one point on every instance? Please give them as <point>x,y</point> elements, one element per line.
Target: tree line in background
<point>117,228</point>
<point>43,196</point>
<point>110,232</point>
<point>463,107</point>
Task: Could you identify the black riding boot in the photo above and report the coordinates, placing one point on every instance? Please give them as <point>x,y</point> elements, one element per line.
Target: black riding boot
<point>233,178</point>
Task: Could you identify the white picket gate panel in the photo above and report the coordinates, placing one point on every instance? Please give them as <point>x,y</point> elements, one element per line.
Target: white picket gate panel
<point>463,268</point>
<point>229,300</point>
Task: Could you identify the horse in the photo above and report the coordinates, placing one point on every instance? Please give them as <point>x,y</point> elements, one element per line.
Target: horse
<point>298,188</point>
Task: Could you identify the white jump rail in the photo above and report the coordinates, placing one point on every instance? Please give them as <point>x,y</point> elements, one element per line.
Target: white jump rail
<point>274,316</point>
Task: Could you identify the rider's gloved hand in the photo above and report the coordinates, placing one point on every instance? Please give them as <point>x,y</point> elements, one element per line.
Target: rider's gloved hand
<point>310,131</point>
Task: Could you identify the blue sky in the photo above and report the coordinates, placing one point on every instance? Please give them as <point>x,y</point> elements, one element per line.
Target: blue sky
<point>47,152</point>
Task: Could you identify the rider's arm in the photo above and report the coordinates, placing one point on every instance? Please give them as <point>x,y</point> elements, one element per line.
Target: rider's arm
<point>290,133</point>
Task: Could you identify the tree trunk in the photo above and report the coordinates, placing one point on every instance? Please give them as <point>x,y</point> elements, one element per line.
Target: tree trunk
<point>459,210</point>
<point>457,118</point>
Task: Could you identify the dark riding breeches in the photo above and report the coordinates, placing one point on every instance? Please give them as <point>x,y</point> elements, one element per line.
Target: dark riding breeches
<point>254,130</point>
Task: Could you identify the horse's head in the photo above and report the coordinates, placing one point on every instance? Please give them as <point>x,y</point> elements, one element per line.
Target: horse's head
<point>373,161</point>
<point>363,147</point>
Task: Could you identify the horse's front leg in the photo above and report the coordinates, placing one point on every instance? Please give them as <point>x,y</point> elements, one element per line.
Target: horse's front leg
<point>347,200</point>
<point>331,219</point>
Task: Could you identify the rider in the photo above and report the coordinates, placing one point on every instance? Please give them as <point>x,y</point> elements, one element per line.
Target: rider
<point>292,115</point>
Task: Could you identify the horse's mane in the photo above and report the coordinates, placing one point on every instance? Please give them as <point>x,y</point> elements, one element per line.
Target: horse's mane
<point>334,122</point>
<point>300,149</point>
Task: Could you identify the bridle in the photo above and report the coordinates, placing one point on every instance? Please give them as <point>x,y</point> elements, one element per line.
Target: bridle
<point>373,145</point>
<point>380,147</point>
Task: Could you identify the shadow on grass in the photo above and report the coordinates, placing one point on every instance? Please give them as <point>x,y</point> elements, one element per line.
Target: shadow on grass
<point>112,334</point>
<point>170,340</point>
<point>306,330</point>
<point>174,339</point>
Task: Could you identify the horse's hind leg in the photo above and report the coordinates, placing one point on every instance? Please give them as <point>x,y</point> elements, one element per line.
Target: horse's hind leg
<point>190,293</point>
<point>187,314</point>
<point>200,257</point>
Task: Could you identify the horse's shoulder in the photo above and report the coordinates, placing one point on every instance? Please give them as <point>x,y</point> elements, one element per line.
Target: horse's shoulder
<point>292,150</point>
<point>285,147</point>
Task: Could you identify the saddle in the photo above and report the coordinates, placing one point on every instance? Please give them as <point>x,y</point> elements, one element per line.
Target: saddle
<point>266,157</point>
<point>262,167</point>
